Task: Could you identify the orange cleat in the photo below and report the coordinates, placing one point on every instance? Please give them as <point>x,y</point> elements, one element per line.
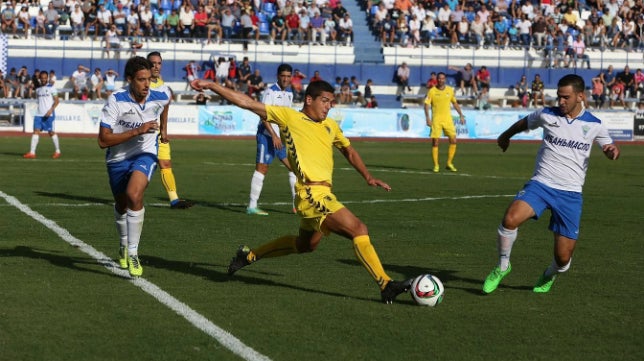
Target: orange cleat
<point>29,155</point>
<point>56,155</point>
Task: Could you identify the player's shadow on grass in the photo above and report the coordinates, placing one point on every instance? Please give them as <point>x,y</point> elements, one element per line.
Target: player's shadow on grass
<point>64,261</point>
<point>75,197</point>
<point>206,271</point>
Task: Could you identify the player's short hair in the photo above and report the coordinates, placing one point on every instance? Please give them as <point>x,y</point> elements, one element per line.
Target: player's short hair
<point>154,53</point>
<point>574,80</point>
<point>136,64</point>
<point>284,67</point>
<point>316,88</point>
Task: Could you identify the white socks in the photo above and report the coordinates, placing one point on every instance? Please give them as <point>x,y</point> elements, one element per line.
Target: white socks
<point>121,226</point>
<point>34,143</point>
<point>134,229</point>
<point>291,180</point>
<point>54,138</point>
<point>504,245</point>
<point>554,268</point>
<point>256,185</point>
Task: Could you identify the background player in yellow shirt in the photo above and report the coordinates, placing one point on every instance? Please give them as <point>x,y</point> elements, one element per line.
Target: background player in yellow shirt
<point>165,160</point>
<point>310,137</point>
<point>440,98</point>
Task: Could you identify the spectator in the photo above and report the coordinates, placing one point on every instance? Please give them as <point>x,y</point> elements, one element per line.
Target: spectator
<point>478,31</point>
<point>104,17</point>
<point>160,20</point>
<point>305,27</point>
<point>293,27</point>
<point>52,77</point>
<point>371,102</point>
<point>113,41</point>
<point>428,30</point>
<point>368,93</point>
<point>25,19</point>
<point>522,91</point>
<point>466,79</point>
<point>483,77</point>
<point>278,27</point>
<point>628,79</point>
<point>214,26</point>
<point>11,84</point>
<point>639,83</point>
<point>608,78</point>
<point>109,81</point>
<point>538,91</point>
<point>247,28</point>
<point>355,91</point>
<point>387,31</point>
<point>297,86</point>
<point>9,20</point>
<point>432,81</point>
<point>501,32</point>
<point>192,70</point>
<point>337,89</point>
<point>200,23</point>
<point>79,80</point>
<point>256,85</point>
<point>345,28</point>
<point>317,29</point>
<point>187,21</point>
<point>231,80</point>
<point>244,72</point>
<point>617,93</point>
<point>539,30</point>
<point>119,18</point>
<point>40,23</point>
<point>345,91</point>
<point>201,98</point>
<point>402,79</point>
<point>24,83</point>
<point>91,20</point>
<point>579,48</point>
<point>316,77</point>
<point>97,84</point>
<point>597,92</point>
<point>483,99</point>
<point>525,31</point>
<point>329,30</point>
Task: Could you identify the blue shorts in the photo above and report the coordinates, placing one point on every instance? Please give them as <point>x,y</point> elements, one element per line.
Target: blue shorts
<point>119,172</point>
<point>45,124</point>
<point>565,207</point>
<point>266,152</point>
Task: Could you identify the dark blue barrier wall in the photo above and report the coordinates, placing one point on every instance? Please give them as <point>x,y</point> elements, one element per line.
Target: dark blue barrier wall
<point>380,74</point>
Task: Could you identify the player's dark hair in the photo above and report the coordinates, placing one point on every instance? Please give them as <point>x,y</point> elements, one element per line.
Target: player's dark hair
<point>574,80</point>
<point>154,53</point>
<point>135,64</point>
<point>284,67</point>
<point>316,88</point>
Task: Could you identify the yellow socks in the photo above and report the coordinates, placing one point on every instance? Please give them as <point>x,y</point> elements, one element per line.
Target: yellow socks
<point>167,178</point>
<point>367,255</point>
<point>282,246</point>
<point>451,151</point>
<point>435,156</point>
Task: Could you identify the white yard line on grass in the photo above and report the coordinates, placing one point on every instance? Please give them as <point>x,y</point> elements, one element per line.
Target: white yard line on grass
<point>220,335</point>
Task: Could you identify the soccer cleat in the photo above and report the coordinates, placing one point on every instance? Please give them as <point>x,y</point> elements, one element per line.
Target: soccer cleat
<point>393,289</point>
<point>29,155</point>
<point>134,266</point>
<point>294,210</point>
<point>56,155</point>
<point>494,278</point>
<point>240,260</point>
<point>180,204</point>
<point>436,169</point>
<point>451,168</point>
<point>544,283</point>
<point>123,257</point>
<point>256,212</point>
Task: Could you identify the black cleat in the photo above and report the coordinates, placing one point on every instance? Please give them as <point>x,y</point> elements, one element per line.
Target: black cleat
<point>393,289</point>
<point>181,204</point>
<point>239,261</point>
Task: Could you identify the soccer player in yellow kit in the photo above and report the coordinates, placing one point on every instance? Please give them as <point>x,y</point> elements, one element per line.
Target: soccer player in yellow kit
<point>440,98</point>
<point>310,137</point>
<point>165,160</point>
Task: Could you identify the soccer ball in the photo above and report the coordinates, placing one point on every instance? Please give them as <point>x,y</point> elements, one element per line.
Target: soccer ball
<point>427,290</point>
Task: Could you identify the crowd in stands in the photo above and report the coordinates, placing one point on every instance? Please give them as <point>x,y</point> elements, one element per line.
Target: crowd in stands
<point>208,21</point>
<point>562,29</point>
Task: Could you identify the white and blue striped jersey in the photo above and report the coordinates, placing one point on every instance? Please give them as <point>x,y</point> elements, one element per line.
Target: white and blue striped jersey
<point>274,95</point>
<point>45,95</point>
<point>121,113</point>
<point>562,160</point>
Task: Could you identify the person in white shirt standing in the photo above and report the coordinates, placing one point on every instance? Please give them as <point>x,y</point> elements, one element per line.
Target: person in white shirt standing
<point>45,115</point>
<point>560,171</point>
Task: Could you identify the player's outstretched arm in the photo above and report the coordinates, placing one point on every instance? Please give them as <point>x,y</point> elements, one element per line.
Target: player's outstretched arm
<point>504,139</point>
<point>355,160</point>
<point>611,151</point>
<point>239,99</point>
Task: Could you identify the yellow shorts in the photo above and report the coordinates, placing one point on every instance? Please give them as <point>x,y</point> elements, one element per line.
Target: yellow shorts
<point>314,203</point>
<point>443,126</point>
<point>164,151</point>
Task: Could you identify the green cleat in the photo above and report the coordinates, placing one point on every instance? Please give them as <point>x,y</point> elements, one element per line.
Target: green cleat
<point>494,278</point>
<point>451,168</point>
<point>544,283</point>
<point>256,212</point>
<point>123,257</point>
<point>134,266</point>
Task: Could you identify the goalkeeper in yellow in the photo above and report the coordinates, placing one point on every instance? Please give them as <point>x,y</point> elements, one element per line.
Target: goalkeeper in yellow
<point>309,137</point>
<point>165,160</point>
<point>440,98</point>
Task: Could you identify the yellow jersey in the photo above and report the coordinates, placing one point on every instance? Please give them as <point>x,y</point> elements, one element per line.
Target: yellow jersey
<point>309,144</point>
<point>157,83</point>
<point>441,101</point>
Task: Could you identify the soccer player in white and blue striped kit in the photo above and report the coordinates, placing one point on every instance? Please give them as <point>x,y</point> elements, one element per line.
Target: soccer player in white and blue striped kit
<point>562,161</point>
<point>128,126</point>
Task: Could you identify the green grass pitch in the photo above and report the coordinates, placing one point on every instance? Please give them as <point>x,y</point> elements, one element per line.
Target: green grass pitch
<point>58,303</point>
